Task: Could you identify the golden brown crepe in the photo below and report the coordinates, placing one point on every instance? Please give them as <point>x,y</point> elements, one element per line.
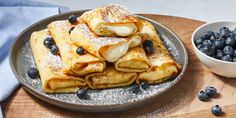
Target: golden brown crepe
<point>72,62</point>
<point>50,67</point>
<point>134,61</point>
<point>112,20</point>
<point>106,48</point>
<point>109,78</point>
<point>164,67</point>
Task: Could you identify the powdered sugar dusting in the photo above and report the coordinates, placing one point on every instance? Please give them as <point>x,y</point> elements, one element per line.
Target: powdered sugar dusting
<point>85,31</point>
<point>54,61</point>
<point>102,41</point>
<point>63,24</point>
<point>99,41</point>
<point>117,13</point>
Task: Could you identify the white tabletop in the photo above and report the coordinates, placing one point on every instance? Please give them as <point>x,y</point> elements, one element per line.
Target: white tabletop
<point>205,10</point>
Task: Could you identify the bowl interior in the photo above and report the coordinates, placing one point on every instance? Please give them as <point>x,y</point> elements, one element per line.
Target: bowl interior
<point>106,100</point>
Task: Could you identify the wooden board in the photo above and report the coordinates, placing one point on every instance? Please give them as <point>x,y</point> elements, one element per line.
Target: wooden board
<point>179,101</point>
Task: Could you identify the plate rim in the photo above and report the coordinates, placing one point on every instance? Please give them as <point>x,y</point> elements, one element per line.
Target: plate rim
<point>109,108</point>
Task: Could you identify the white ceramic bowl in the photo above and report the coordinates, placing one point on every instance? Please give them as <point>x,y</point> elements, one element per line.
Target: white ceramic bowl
<point>223,68</point>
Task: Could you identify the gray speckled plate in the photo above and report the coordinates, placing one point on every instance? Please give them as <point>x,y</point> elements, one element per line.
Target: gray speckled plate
<point>106,100</point>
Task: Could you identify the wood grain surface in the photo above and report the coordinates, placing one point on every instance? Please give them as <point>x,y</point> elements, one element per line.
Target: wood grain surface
<point>179,101</point>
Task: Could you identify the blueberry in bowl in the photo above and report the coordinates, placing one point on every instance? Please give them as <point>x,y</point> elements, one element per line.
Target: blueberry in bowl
<point>215,45</point>
<point>221,47</point>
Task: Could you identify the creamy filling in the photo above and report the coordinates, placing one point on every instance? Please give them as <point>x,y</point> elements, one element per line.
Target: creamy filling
<point>134,41</point>
<point>115,52</point>
<point>122,30</point>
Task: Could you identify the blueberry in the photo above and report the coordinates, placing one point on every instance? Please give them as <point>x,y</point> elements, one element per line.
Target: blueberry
<point>148,50</point>
<point>210,91</point>
<point>227,58</point>
<point>54,49</point>
<point>207,43</point>
<point>217,35</point>
<point>230,41</point>
<point>33,73</point>
<point>148,43</point>
<point>228,50</point>
<point>202,96</point>
<point>207,34</point>
<point>199,40</point>
<point>72,19</point>
<point>144,85</point>
<point>234,59</point>
<point>205,50</point>
<point>48,42</point>
<point>219,54</point>
<point>136,89</point>
<point>71,29</point>
<point>232,35</point>
<point>216,110</point>
<point>82,94</point>
<point>199,46</point>
<point>80,51</point>
<point>212,50</point>
<point>234,31</point>
<point>148,46</point>
<point>219,43</point>
<point>224,32</point>
<point>235,52</point>
<point>212,38</point>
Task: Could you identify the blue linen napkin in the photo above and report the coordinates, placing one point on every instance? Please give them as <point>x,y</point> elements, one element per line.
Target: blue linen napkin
<point>15,16</point>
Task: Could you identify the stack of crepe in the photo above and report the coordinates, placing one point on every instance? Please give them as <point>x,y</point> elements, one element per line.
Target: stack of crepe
<point>114,56</point>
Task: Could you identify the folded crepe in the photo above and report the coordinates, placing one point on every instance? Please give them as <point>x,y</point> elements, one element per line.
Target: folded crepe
<point>109,78</point>
<point>50,67</point>
<point>72,62</point>
<point>163,66</point>
<point>112,20</point>
<point>105,48</point>
<point>134,61</point>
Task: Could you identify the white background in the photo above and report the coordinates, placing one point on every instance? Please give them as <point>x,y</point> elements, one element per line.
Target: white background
<point>205,10</point>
